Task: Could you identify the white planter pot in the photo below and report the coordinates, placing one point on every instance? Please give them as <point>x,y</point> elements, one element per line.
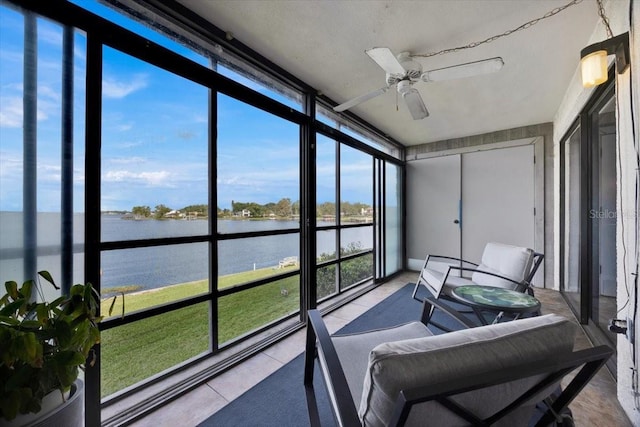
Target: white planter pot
<point>55,412</point>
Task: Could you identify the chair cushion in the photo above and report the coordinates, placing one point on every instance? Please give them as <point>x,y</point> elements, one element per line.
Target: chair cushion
<point>432,279</point>
<point>353,350</point>
<point>407,364</point>
<point>513,262</point>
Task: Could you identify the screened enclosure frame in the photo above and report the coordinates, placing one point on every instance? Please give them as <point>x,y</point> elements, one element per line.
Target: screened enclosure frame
<point>102,33</point>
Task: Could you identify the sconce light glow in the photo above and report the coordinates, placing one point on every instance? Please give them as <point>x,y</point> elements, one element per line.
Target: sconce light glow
<point>593,59</point>
<point>594,68</point>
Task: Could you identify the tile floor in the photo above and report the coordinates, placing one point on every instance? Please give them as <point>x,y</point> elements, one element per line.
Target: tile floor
<point>595,406</point>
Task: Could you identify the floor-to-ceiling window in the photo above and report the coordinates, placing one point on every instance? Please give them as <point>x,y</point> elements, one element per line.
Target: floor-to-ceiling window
<point>163,135</point>
<point>589,217</point>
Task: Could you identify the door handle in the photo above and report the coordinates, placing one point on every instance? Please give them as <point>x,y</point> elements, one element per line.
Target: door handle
<point>456,221</point>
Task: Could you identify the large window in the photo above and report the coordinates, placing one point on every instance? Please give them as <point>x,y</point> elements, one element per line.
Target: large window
<point>135,150</point>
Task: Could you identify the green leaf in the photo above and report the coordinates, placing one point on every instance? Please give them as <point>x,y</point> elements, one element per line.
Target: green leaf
<point>43,312</point>
<point>12,307</point>
<point>63,333</point>
<point>69,358</point>
<point>31,324</point>
<point>30,346</point>
<point>9,320</point>
<point>12,288</point>
<point>26,289</point>
<point>18,378</point>
<point>47,276</point>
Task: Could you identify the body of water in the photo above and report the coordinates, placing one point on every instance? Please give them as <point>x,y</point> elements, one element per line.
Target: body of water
<point>163,265</point>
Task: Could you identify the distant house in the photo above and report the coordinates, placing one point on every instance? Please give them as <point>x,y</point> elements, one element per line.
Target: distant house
<point>246,212</point>
<point>366,211</point>
<point>172,214</point>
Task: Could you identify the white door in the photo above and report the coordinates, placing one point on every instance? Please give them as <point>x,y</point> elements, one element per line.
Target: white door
<point>433,201</point>
<point>497,199</point>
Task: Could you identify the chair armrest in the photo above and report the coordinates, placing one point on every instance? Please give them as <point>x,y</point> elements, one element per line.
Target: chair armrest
<point>318,337</point>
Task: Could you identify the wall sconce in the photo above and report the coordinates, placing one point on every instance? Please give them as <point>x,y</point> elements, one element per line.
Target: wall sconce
<point>593,59</point>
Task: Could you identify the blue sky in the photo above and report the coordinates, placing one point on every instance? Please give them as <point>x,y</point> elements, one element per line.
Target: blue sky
<point>154,133</point>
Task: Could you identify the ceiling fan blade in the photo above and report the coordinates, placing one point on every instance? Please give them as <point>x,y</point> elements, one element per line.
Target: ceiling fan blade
<point>415,104</point>
<point>386,60</point>
<point>469,69</point>
<point>360,99</point>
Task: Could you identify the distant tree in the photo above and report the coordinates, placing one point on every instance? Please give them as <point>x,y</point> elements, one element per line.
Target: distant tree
<point>326,209</point>
<point>142,211</point>
<point>352,209</point>
<point>283,208</point>
<point>295,207</point>
<point>161,211</point>
<point>223,213</point>
<point>201,210</point>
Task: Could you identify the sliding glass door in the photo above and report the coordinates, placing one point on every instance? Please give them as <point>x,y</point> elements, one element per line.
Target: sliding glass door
<point>589,194</point>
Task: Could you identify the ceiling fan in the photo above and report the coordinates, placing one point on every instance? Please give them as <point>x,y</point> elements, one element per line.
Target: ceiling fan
<point>404,72</point>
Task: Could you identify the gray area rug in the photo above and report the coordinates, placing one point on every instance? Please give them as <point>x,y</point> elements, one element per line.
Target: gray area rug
<point>279,400</point>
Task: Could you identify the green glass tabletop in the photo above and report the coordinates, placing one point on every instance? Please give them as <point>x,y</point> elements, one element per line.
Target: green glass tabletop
<point>498,298</point>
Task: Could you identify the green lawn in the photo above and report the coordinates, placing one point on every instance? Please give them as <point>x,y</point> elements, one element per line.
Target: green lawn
<point>136,351</point>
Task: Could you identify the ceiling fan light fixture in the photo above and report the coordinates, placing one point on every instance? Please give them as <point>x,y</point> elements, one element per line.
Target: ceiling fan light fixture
<point>593,59</point>
<point>461,71</point>
<point>415,104</point>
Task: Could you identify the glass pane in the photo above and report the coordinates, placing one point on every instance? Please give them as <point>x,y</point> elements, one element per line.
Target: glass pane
<point>326,245</point>
<point>143,28</point>
<point>356,186</point>
<point>571,282</point>
<point>254,258</point>
<point>338,121</point>
<point>355,270</point>
<point>357,239</point>
<point>325,181</point>
<point>154,151</point>
<point>393,219</point>
<point>31,211</point>
<point>258,158</point>
<point>246,311</point>
<point>326,282</point>
<point>154,275</point>
<point>257,81</point>
<point>136,351</point>
<point>603,217</point>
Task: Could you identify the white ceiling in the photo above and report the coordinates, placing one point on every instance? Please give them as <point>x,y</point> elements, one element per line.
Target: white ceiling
<point>323,43</point>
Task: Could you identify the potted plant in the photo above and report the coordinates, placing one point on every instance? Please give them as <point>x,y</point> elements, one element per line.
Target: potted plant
<point>43,345</point>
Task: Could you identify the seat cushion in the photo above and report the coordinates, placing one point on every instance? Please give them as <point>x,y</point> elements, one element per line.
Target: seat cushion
<point>353,350</point>
<point>432,279</point>
<point>406,364</point>
<point>509,261</point>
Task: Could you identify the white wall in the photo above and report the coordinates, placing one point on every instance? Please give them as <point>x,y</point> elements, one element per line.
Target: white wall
<point>627,175</point>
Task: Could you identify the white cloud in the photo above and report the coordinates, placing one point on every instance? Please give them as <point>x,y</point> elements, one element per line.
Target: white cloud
<point>156,179</point>
<point>127,160</point>
<point>47,92</point>
<point>11,112</point>
<point>112,88</point>
<point>124,127</point>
